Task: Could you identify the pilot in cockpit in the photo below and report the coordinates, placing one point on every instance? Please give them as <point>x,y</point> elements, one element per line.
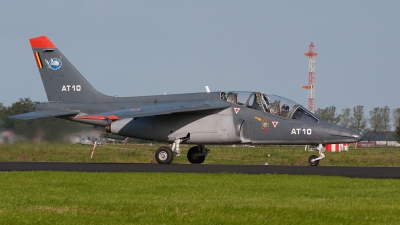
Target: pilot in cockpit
<point>284,110</point>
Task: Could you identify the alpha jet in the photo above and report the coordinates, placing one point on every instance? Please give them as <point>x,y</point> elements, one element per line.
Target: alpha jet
<point>209,118</point>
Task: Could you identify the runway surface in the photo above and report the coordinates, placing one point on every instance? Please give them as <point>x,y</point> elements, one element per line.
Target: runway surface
<point>361,172</point>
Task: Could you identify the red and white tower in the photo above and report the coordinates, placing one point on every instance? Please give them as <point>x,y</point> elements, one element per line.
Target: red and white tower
<point>311,54</point>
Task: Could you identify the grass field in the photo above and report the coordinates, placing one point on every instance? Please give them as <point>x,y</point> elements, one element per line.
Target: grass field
<point>192,198</point>
<point>176,198</point>
<point>273,155</point>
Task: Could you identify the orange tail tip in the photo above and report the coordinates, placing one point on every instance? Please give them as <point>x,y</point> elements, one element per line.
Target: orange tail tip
<point>41,42</point>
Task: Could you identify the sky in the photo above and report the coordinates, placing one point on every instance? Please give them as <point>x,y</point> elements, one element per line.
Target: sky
<point>136,48</point>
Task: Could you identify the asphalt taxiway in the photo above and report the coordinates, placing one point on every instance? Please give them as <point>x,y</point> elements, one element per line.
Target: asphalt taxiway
<point>360,172</point>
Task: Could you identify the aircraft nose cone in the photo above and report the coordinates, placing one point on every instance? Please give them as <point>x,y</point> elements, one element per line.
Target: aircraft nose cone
<point>344,133</point>
<point>357,136</point>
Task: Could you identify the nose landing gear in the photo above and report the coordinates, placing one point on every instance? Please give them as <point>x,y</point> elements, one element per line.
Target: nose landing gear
<point>314,160</point>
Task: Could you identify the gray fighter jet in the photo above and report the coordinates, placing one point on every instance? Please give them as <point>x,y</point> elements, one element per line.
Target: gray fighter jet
<point>217,118</point>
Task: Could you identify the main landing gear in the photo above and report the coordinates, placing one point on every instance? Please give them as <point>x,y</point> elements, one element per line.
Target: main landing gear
<point>164,155</point>
<point>196,154</point>
<point>314,160</point>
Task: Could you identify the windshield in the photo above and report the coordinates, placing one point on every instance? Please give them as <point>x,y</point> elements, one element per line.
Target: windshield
<point>303,114</point>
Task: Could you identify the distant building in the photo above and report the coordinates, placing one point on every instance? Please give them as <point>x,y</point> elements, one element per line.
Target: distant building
<point>379,138</point>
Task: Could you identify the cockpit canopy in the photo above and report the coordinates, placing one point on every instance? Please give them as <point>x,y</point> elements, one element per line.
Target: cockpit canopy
<point>270,103</point>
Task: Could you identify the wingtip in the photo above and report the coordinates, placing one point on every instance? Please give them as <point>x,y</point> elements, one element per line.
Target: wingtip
<point>41,42</point>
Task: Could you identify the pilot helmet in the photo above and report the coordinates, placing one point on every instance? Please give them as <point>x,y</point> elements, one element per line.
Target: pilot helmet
<point>285,108</point>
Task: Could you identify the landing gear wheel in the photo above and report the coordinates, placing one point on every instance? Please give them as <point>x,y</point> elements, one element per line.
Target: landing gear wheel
<point>193,157</point>
<point>164,155</point>
<point>315,163</point>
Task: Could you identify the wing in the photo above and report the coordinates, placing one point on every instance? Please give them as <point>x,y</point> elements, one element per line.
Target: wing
<point>157,109</point>
<point>44,114</point>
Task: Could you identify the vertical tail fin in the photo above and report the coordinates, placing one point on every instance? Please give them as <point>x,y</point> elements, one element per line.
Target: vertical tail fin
<point>61,80</point>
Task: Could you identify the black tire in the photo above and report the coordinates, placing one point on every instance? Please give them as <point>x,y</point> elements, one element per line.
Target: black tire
<point>315,163</point>
<point>191,155</point>
<point>164,155</point>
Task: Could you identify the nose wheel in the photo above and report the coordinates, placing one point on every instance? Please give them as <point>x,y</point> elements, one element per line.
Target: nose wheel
<point>314,160</point>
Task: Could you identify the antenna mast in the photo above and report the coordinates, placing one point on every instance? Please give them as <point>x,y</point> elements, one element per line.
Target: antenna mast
<point>311,54</point>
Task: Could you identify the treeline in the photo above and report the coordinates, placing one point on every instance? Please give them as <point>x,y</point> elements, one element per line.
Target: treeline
<point>380,119</point>
<point>48,129</point>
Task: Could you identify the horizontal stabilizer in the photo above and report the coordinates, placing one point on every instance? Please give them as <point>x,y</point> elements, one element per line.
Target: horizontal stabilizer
<point>158,109</point>
<point>44,114</point>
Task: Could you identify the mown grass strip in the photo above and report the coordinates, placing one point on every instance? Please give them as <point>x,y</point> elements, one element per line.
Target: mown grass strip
<point>273,155</point>
<point>177,198</point>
